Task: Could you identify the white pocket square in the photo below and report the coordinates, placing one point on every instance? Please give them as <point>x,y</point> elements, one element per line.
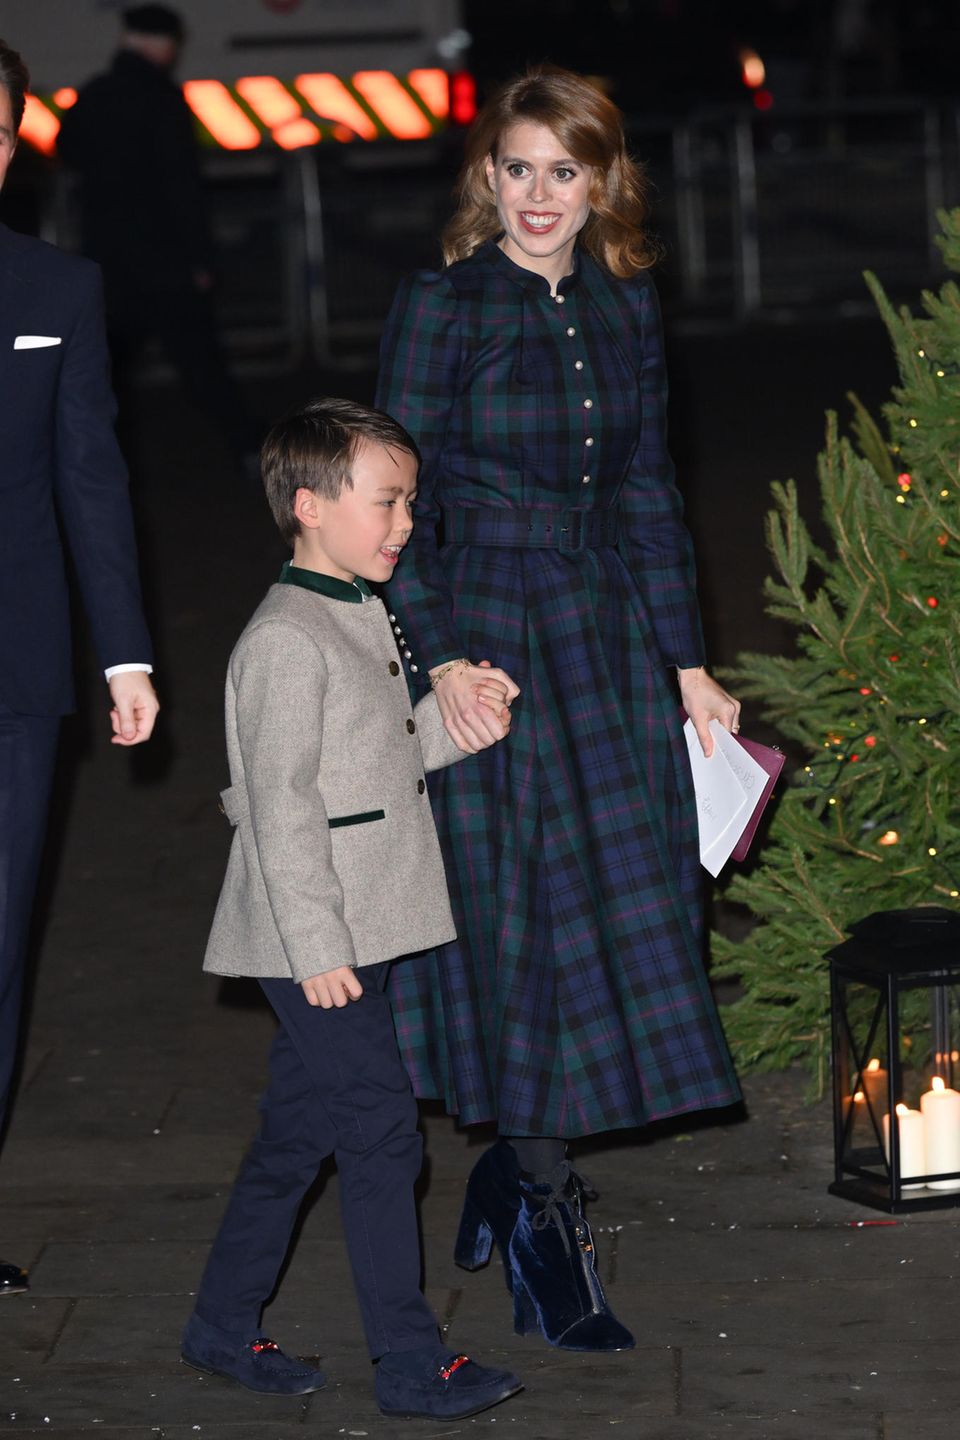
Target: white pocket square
<point>35,342</point>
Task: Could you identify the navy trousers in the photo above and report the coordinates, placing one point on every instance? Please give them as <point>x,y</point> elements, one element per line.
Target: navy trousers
<point>337,1086</point>
<point>28,751</point>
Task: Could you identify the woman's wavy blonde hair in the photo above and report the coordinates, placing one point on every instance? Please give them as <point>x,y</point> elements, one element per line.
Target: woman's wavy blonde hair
<point>590,129</point>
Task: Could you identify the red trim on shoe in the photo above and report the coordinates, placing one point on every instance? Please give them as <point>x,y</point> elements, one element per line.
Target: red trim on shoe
<point>447,1370</point>
<point>263,1344</point>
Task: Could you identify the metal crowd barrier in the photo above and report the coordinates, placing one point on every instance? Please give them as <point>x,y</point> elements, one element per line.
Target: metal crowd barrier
<point>774,213</point>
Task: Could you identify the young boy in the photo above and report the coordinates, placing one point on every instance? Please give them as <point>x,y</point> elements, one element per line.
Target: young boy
<point>334,870</point>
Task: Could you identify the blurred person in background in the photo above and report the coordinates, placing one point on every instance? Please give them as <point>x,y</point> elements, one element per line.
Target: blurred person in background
<point>530,372</point>
<point>61,462</point>
<point>130,140</point>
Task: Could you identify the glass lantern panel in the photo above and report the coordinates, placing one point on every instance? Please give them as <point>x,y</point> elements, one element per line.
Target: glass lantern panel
<point>864,1068</point>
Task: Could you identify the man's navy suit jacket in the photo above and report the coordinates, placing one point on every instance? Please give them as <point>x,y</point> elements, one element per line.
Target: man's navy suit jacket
<point>59,462</point>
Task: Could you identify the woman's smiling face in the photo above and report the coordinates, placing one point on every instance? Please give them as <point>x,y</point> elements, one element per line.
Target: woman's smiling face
<point>542,197</point>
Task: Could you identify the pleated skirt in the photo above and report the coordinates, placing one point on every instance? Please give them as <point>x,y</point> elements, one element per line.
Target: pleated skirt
<point>575,998</point>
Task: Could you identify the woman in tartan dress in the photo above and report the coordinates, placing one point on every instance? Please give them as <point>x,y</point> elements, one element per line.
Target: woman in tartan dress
<point>530,371</point>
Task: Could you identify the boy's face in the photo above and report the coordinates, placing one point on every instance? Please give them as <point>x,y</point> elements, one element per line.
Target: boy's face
<point>363,531</point>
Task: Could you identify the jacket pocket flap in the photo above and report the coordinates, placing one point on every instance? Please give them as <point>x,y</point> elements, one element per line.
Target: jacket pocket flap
<point>363,817</point>
<point>234,803</point>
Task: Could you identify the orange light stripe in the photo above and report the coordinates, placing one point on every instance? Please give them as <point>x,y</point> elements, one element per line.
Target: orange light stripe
<point>39,126</point>
<point>433,87</point>
<point>216,108</point>
<point>269,100</point>
<point>65,97</point>
<point>387,99</point>
<point>328,96</point>
<point>296,134</point>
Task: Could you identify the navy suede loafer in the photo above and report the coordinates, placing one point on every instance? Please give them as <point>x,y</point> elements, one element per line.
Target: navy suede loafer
<point>435,1384</point>
<point>259,1363</point>
<point>13,1280</point>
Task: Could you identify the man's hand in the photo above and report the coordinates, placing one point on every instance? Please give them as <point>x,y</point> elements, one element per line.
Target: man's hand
<point>332,988</point>
<point>135,707</point>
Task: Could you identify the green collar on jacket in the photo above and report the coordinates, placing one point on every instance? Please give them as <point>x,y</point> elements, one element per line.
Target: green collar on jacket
<point>354,592</point>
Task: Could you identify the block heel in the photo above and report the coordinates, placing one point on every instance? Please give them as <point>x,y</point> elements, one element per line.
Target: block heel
<point>474,1238</point>
<point>490,1209</point>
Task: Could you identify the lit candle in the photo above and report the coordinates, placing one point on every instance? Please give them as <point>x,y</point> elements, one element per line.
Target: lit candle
<point>911,1132</point>
<point>941,1127</point>
<point>875,1084</point>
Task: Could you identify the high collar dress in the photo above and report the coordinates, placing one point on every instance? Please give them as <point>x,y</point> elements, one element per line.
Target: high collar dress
<point>574,999</point>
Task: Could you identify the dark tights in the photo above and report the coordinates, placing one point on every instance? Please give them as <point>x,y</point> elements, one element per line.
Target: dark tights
<point>538,1154</point>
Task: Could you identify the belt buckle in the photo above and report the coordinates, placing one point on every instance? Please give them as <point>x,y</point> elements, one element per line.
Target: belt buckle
<point>570,540</point>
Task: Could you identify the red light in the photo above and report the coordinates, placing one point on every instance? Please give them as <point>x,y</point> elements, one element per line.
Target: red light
<point>753,72</point>
<point>463,98</point>
<point>763,100</point>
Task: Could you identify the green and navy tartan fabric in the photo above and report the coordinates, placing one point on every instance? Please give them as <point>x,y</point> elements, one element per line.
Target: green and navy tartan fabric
<point>574,999</point>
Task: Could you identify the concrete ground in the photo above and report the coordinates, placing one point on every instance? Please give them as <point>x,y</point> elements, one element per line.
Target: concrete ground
<point>763,1308</point>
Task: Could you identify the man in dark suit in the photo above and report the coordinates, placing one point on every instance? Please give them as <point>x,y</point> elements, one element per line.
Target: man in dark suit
<point>130,140</point>
<point>58,459</point>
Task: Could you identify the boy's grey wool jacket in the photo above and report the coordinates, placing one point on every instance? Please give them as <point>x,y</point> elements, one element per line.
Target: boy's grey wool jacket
<point>335,858</point>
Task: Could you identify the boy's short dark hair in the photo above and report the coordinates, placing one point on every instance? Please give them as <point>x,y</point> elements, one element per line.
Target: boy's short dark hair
<point>314,447</point>
<point>15,79</point>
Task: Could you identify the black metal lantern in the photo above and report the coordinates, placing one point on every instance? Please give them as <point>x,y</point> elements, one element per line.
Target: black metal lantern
<point>895,1009</point>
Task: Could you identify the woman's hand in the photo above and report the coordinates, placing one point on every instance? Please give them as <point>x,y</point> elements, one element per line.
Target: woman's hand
<point>474,703</point>
<point>704,700</point>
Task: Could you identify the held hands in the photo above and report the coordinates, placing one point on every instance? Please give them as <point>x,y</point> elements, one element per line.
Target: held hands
<point>704,700</point>
<point>332,988</point>
<point>474,703</point>
<point>135,707</point>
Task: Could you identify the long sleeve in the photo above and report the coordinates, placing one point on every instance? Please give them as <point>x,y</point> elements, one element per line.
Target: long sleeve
<point>274,682</point>
<point>419,377</point>
<point>436,747</point>
<point>90,482</point>
<point>654,541</point>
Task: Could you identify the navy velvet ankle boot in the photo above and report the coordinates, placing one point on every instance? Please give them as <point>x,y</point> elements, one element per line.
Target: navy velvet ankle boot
<point>556,1288</point>
<point>490,1209</point>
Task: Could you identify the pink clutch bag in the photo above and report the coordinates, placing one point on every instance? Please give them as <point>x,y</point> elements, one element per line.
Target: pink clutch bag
<point>771,759</point>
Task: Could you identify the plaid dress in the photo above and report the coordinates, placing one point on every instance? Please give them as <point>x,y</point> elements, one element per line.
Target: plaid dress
<point>574,999</point>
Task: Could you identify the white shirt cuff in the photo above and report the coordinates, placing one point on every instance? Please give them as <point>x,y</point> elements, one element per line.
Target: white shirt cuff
<point>112,670</point>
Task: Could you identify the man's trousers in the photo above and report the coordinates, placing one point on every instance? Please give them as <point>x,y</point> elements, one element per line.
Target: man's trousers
<point>337,1086</point>
<point>28,751</point>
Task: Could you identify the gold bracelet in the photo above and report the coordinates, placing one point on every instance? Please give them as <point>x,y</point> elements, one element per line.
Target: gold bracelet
<point>445,670</point>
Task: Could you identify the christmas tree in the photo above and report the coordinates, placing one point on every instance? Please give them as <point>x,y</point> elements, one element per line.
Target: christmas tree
<point>871,699</point>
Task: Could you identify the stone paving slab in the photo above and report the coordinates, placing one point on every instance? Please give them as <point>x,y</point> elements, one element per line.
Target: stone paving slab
<point>118,1268</point>
<point>830,1375</point>
<point>151,1159</point>
<point>135,1399</point>
<point>902,1424</point>
<point>29,1327</point>
<point>765,1425</point>
<point>94,1213</point>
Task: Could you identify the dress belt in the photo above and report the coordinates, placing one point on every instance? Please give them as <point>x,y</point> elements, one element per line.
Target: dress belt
<point>566,530</point>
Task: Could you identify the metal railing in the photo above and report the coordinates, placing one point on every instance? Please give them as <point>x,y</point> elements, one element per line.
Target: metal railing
<point>760,213</point>
<point>785,210</point>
